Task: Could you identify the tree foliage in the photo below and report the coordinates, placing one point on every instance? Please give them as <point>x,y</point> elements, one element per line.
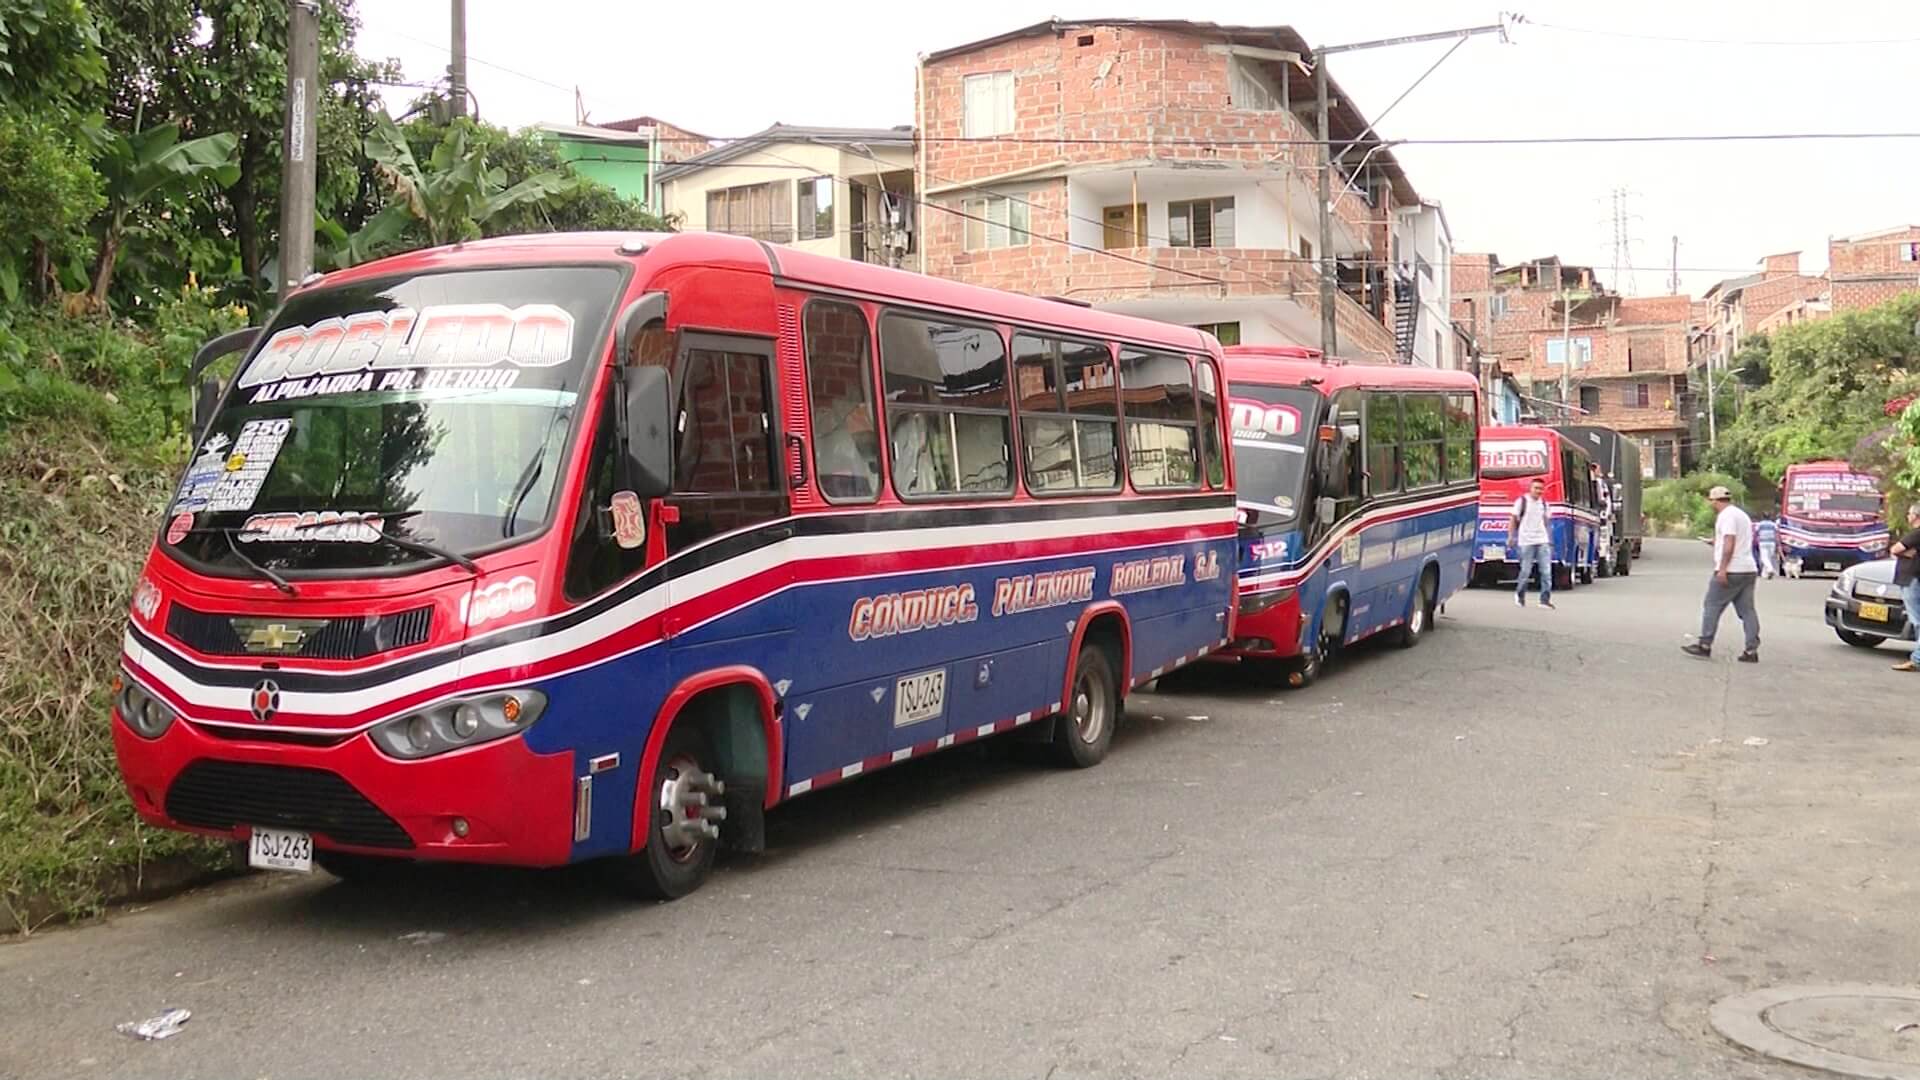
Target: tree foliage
<point>1826,394</point>
<point>49,54</point>
<point>52,193</point>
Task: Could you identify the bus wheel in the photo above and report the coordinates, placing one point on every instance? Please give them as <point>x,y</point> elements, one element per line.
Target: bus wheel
<point>1419,616</point>
<point>685,798</point>
<point>1083,732</point>
<point>1563,578</point>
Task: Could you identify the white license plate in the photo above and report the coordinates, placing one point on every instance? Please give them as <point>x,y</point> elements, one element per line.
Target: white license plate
<point>1493,553</point>
<point>919,697</point>
<point>280,849</point>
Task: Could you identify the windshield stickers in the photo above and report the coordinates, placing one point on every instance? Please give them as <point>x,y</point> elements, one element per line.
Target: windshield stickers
<point>498,600</point>
<point>1257,422</point>
<point>1514,456</point>
<point>311,527</point>
<point>629,526</point>
<point>450,346</point>
<point>229,473</point>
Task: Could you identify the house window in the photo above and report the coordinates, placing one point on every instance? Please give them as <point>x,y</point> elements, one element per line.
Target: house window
<point>1590,399</point>
<point>997,221</point>
<point>1636,395</point>
<point>1250,88</point>
<point>1910,252</point>
<point>1306,249</point>
<point>1227,333</point>
<point>1582,351</point>
<point>761,211</point>
<point>989,105</point>
<point>816,208</point>
<point>1201,223</point>
<point>1662,459</point>
<point>1497,306</point>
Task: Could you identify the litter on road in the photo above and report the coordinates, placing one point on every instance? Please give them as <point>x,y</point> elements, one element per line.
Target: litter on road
<point>156,1027</point>
<point>1756,740</point>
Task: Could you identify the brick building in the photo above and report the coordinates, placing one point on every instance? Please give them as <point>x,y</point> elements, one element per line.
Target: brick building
<point>1628,355</point>
<point>1874,268</point>
<point>1754,303</point>
<point>1166,169</point>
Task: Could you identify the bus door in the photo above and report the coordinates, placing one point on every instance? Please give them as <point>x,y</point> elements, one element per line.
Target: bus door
<point>727,481</point>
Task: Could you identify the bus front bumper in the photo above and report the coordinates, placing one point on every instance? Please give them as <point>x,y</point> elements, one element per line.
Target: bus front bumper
<point>498,802</point>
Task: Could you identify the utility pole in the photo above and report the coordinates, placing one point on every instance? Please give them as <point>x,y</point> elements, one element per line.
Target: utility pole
<point>1329,266</point>
<point>1673,276</point>
<point>457,68</point>
<point>1566,353</point>
<point>297,164</point>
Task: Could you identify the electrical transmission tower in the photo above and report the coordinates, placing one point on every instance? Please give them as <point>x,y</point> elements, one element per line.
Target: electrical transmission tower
<point>1623,245</point>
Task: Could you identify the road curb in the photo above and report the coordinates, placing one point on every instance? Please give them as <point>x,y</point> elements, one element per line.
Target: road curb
<point>154,879</point>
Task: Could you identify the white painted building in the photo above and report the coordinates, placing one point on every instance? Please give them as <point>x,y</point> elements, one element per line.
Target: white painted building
<point>1423,287</point>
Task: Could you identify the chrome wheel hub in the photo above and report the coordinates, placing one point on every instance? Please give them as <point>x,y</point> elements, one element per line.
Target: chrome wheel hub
<point>1090,710</point>
<point>689,814</point>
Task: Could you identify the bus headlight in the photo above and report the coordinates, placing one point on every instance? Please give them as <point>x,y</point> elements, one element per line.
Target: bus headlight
<point>148,716</point>
<point>461,722</point>
<point>1255,603</point>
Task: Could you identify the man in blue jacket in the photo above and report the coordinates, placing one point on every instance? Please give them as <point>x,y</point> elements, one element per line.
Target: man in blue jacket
<point>1766,543</point>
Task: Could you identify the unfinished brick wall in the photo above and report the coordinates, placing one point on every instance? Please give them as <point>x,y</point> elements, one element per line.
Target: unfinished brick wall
<point>1128,95</point>
<point>1871,270</point>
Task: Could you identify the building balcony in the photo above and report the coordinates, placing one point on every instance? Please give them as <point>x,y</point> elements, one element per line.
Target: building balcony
<point>1276,289</point>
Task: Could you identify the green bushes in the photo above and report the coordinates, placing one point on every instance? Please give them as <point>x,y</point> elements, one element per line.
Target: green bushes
<point>1679,507</point>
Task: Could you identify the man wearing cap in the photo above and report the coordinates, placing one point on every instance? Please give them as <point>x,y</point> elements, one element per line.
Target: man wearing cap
<point>1734,573</point>
<point>1906,574</point>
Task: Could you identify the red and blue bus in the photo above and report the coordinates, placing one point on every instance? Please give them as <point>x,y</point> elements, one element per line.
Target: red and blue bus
<point>1357,486</point>
<point>546,549</point>
<point>1831,517</point>
<point>1511,458</point>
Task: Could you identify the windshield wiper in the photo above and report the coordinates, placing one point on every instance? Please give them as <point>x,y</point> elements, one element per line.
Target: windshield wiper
<point>529,475</point>
<point>279,582</point>
<point>405,543</point>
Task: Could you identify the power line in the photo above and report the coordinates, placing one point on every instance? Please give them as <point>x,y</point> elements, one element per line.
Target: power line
<point>1763,42</point>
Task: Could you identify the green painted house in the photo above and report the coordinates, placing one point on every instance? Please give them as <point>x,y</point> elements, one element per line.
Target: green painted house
<point>625,155</point>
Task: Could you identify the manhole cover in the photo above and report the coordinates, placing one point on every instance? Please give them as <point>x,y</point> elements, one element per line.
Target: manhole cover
<point>1856,1029</point>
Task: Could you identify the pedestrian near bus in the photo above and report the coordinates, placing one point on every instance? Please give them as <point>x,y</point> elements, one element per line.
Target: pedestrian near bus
<point>1734,574</point>
<point>1527,525</point>
<point>1906,574</point>
<point>1766,540</point>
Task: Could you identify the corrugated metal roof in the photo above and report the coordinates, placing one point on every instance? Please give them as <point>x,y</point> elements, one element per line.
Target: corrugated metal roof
<point>790,133</point>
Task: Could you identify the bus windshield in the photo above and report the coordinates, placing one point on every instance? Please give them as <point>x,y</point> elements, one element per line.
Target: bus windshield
<point>1502,459</point>
<point>1272,435</point>
<point>433,407</point>
<point>1833,495</point>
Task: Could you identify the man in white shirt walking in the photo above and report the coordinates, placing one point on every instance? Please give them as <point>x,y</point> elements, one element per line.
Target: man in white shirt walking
<point>1734,574</point>
<point>1528,527</point>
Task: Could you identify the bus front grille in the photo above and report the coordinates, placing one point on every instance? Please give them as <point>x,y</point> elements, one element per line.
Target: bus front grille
<point>223,794</point>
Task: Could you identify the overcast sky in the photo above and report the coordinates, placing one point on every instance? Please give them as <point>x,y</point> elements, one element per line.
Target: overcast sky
<point>725,72</point>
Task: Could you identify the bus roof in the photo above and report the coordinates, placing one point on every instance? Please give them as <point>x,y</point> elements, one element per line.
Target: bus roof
<point>1284,365</point>
<point>804,269</point>
<point>1531,431</point>
<point>1822,466</point>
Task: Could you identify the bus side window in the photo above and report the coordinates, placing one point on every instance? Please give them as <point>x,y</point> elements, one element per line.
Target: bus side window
<point>1210,442</point>
<point>948,419</point>
<point>1383,435</point>
<point>724,475</point>
<point>1462,456</point>
<point>1163,440</point>
<point>1424,439</point>
<point>846,444</point>
<point>1069,414</point>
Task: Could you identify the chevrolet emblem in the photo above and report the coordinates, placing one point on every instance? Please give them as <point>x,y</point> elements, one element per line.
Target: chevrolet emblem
<point>275,637</point>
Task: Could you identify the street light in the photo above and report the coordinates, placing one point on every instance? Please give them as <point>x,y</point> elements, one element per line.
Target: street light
<point>1713,425</point>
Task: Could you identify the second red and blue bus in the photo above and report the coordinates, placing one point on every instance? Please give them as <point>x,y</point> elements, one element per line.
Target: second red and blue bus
<point>1511,459</point>
<point>1357,493</point>
<point>1831,518</point>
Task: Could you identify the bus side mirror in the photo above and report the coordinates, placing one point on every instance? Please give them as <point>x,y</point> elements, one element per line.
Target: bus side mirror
<point>1324,509</point>
<point>649,431</point>
<point>207,394</point>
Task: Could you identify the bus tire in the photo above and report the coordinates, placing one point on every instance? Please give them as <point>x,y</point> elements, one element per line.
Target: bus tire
<point>361,869</point>
<point>1563,578</point>
<point>1859,641</point>
<point>677,854</point>
<point>1083,732</point>
<point>1419,614</point>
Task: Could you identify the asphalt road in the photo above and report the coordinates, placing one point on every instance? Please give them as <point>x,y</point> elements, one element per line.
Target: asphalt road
<point>1537,845</point>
